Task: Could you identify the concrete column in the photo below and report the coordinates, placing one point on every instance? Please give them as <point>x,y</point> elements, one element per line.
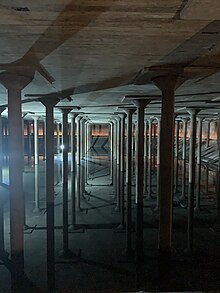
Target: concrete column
<point>118,202</point>
<point>58,136</point>
<point>176,158</point>
<point>115,139</point>
<point>145,158</point>
<point>23,116</point>
<point>82,137</point>
<point>218,180</point>
<point>78,149</point>
<point>158,160</point>
<point>198,166</point>
<point>122,171</point>
<point>49,104</point>
<point>115,157</point>
<point>183,194</point>
<point>37,208</point>
<point>65,253</point>
<point>1,145</point>
<point>192,113</point>
<point>73,170</point>
<point>128,247</point>
<point>36,146</point>
<point>154,148</point>
<point>208,133</point>
<point>140,104</point>
<point>2,242</point>
<point>29,141</point>
<point>16,177</point>
<point>150,158</point>
<point>111,150</point>
<point>44,139</point>
<point>167,84</point>
<point>83,163</point>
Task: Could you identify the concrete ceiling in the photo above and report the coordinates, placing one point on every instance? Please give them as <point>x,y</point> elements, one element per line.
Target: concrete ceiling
<point>98,51</point>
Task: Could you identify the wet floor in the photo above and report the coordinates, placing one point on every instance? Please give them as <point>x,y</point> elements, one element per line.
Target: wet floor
<point>98,244</point>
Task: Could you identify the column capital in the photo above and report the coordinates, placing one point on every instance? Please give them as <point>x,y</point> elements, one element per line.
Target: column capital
<point>78,118</point>
<point>16,80</point>
<point>36,117</point>
<point>167,83</point>
<point>149,119</point>
<point>65,110</point>
<point>49,102</point>
<point>184,119</point>
<point>141,101</point>
<point>73,115</point>
<point>129,111</point>
<point>193,111</point>
<point>200,118</point>
<point>117,117</point>
<point>158,118</point>
<point>122,115</point>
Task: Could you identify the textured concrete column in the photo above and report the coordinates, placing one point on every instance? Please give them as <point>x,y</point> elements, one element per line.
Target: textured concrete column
<point>44,139</point>
<point>15,177</point>
<point>183,194</point>
<point>115,157</point>
<point>208,133</point>
<point>23,116</point>
<point>140,102</point>
<point>198,166</point>
<point>128,247</point>
<point>15,84</point>
<point>2,233</point>
<point>122,170</point>
<point>218,181</point>
<point>29,141</point>
<point>36,190</point>
<point>176,158</point>
<point>150,158</point>
<point>111,150</point>
<point>36,146</point>
<point>158,160</point>
<point>65,253</point>
<point>58,136</point>
<point>167,84</point>
<point>83,163</point>
<point>133,139</point>
<point>2,242</point>
<point>73,170</point>
<point>154,148</point>
<point>145,157</point>
<point>1,144</point>
<point>114,139</point>
<point>78,149</point>
<point>82,137</point>
<point>118,161</point>
<point>191,191</point>
<point>49,104</point>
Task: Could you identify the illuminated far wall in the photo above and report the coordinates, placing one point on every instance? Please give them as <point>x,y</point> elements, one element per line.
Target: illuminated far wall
<point>100,135</point>
<point>213,130</point>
